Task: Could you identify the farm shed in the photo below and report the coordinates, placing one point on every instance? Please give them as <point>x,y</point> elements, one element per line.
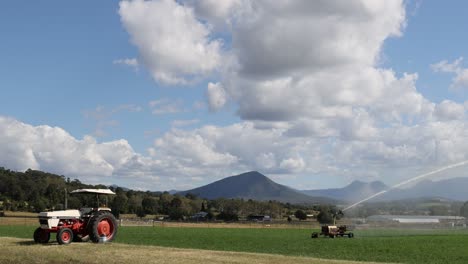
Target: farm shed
<point>415,219</point>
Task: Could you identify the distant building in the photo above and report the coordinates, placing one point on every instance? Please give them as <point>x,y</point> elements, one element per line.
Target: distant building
<point>200,216</point>
<point>259,218</point>
<point>415,219</point>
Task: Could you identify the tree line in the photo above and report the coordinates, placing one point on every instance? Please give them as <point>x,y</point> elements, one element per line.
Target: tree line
<point>36,191</point>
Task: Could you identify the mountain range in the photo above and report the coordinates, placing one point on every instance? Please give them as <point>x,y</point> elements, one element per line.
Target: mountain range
<point>353,192</point>
<point>453,189</point>
<point>256,186</point>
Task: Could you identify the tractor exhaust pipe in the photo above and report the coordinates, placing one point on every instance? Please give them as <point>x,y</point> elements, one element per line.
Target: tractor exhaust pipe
<point>66,199</point>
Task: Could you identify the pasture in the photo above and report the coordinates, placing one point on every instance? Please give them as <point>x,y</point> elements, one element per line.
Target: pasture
<point>396,246</point>
<point>16,250</point>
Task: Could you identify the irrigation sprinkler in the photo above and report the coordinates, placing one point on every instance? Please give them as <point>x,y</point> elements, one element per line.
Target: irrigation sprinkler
<point>333,231</point>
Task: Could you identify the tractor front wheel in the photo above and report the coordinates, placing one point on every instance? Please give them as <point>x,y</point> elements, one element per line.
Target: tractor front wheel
<point>41,236</point>
<point>102,224</point>
<point>65,236</point>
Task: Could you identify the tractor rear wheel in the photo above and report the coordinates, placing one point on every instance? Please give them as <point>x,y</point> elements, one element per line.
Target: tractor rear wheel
<point>102,224</point>
<point>41,236</point>
<point>65,236</point>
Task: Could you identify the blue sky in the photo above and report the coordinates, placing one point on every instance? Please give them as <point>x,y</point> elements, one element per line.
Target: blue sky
<point>58,62</point>
<point>241,86</point>
<point>434,32</point>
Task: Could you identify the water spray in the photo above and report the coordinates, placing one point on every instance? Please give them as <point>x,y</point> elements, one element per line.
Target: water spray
<point>408,181</point>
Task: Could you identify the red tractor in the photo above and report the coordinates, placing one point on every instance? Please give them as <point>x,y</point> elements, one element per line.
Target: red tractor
<point>96,224</point>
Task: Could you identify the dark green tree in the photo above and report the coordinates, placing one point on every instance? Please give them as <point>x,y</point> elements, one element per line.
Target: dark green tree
<point>74,202</point>
<point>176,214</point>
<point>140,212</point>
<point>228,216</point>
<point>134,202</point>
<point>438,210</point>
<point>325,217</point>
<point>176,202</point>
<point>39,205</point>
<point>150,205</point>
<point>119,204</point>
<point>301,215</point>
<point>464,210</point>
<point>191,196</point>
<point>328,215</point>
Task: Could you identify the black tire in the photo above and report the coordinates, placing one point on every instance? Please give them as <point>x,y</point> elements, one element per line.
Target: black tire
<point>332,236</point>
<point>41,236</point>
<point>314,235</point>
<point>350,235</point>
<point>65,236</point>
<point>102,223</point>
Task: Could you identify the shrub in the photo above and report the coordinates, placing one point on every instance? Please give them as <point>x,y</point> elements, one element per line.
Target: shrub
<point>227,216</point>
<point>301,215</point>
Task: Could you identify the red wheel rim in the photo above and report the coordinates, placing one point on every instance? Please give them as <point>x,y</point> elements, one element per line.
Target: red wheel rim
<point>65,236</point>
<point>106,228</point>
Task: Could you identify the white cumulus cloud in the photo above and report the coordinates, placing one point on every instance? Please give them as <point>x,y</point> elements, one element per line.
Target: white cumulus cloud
<point>460,81</point>
<point>211,152</point>
<point>216,96</point>
<point>304,76</point>
<point>53,149</point>
<point>131,62</point>
<point>173,44</point>
<point>449,110</point>
<point>166,106</point>
<point>217,13</point>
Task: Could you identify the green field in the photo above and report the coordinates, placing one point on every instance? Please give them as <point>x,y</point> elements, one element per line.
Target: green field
<point>420,246</point>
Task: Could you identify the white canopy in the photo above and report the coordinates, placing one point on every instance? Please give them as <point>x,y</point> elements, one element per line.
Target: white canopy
<point>95,191</point>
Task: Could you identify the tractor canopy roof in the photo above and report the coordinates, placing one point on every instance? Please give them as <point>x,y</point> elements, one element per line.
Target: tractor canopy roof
<point>95,191</point>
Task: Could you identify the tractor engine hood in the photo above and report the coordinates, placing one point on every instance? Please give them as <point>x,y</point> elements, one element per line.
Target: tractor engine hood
<point>49,220</point>
<point>62,214</point>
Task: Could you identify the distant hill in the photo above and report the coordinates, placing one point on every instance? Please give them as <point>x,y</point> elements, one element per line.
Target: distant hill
<point>353,192</point>
<point>453,189</point>
<point>173,191</point>
<point>256,186</point>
